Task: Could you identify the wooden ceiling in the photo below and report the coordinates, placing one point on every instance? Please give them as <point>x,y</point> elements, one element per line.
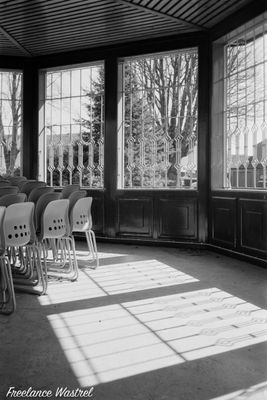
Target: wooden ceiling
<point>41,27</point>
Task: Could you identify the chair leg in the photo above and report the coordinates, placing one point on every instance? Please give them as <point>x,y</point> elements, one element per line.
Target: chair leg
<point>8,304</point>
<point>66,266</point>
<point>92,247</point>
<point>38,282</point>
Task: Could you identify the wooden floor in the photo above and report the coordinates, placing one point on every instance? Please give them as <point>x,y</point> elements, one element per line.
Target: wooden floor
<point>151,323</point>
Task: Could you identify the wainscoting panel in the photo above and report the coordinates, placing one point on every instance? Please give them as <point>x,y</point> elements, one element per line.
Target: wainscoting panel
<point>135,216</point>
<point>253,225</point>
<point>223,226</point>
<point>238,222</point>
<point>177,218</point>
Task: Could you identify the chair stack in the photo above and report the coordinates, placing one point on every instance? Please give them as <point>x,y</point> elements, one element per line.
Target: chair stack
<point>36,221</point>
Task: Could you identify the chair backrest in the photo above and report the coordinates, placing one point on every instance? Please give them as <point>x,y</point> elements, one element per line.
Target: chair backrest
<point>41,205</point>
<point>75,196</point>
<point>5,183</point>
<point>80,216</point>
<point>9,199</point>
<point>2,236</point>
<point>37,192</point>
<point>18,224</point>
<point>67,190</point>
<point>8,190</point>
<point>22,182</point>
<point>28,186</point>
<point>54,221</point>
<point>14,180</point>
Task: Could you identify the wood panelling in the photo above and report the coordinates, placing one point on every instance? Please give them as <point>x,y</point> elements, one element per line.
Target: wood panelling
<point>238,221</point>
<point>223,231</point>
<point>135,216</point>
<point>177,218</point>
<point>253,225</point>
<point>39,28</point>
<point>98,214</point>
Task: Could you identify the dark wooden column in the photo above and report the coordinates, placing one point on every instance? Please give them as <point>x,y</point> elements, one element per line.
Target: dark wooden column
<point>110,152</point>
<point>30,122</point>
<point>203,138</point>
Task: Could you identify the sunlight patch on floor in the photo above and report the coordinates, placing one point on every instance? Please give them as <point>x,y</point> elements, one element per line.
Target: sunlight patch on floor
<point>83,255</point>
<point>138,275</point>
<point>107,343</point>
<point>115,279</point>
<point>64,291</point>
<point>203,323</point>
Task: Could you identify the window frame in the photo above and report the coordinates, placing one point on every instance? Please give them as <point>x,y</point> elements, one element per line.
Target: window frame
<point>120,117</point>
<point>218,166</point>
<point>21,125</point>
<point>42,141</point>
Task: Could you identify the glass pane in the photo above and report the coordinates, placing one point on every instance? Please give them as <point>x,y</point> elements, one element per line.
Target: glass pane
<point>66,84</point>
<point>73,126</point>
<point>160,120</point>
<point>10,117</point>
<point>246,104</point>
<point>75,82</point>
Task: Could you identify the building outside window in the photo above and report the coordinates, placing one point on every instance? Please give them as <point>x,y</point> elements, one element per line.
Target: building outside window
<point>158,121</point>
<point>245,113</point>
<point>72,126</point>
<point>10,122</point>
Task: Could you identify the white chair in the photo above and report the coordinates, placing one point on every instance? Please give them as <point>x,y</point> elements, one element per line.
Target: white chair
<point>28,186</point>
<point>14,180</point>
<point>67,190</point>
<point>4,190</point>
<point>9,199</point>
<point>53,230</point>
<point>81,221</point>
<point>29,273</point>
<point>39,191</point>
<point>7,294</point>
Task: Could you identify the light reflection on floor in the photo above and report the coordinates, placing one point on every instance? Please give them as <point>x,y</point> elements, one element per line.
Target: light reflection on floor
<point>106,343</point>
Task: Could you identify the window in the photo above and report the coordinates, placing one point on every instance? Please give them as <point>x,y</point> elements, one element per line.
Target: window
<point>158,121</point>
<point>73,120</point>
<point>10,122</point>
<point>245,127</point>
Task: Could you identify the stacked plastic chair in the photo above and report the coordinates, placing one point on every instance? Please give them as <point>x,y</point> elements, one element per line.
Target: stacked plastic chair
<point>37,192</point>
<point>28,186</point>
<point>15,180</point>
<point>5,183</point>
<point>8,190</point>
<point>52,231</point>
<point>81,221</point>
<point>7,294</point>
<point>68,190</point>
<point>24,252</point>
<point>9,199</point>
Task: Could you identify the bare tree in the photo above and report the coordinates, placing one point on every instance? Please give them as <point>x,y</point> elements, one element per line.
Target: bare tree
<point>163,91</point>
<point>9,140</point>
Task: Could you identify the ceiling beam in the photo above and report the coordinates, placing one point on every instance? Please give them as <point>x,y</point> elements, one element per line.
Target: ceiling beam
<point>160,14</point>
<point>15,42</point>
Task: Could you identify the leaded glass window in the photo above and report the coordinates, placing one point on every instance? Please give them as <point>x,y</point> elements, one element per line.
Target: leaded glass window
<point>246,109</point>
<point>10,122</point>
<point>158,121</point>
<point>74,126</point>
